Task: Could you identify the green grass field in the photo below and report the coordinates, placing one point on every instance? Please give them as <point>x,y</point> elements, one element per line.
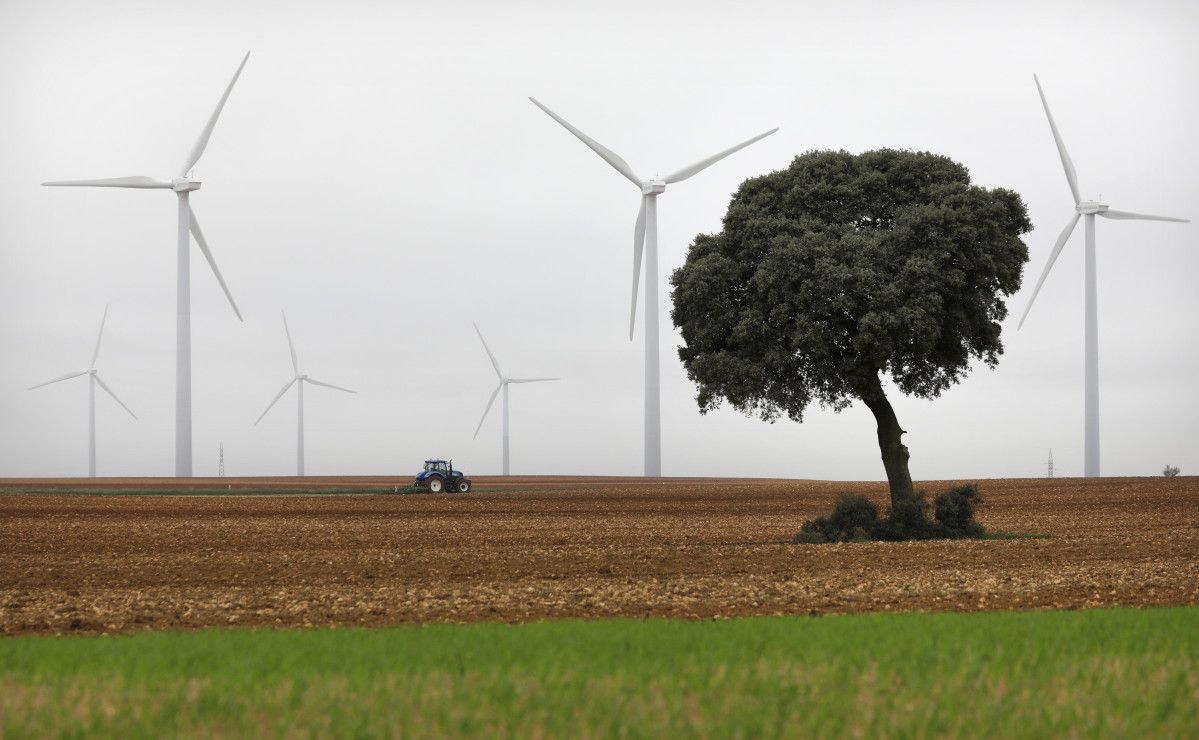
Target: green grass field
<point>1110,673</point>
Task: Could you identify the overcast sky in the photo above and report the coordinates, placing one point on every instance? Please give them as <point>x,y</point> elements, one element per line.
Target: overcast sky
<point>379,174</point>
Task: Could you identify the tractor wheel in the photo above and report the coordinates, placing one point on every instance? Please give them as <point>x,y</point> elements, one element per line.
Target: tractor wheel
<point>435,484</point>
<point>463,485</point>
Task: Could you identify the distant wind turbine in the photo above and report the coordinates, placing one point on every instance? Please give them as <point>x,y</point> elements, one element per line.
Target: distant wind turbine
<point>299,380</point>
<point>645,233</point>
<point>1090,209</point>
<point>93,379</point>
<point>504,381</point>
<point>182,185</point>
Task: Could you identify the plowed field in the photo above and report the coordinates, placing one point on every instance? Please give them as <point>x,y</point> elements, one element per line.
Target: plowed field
<point>548,548</point>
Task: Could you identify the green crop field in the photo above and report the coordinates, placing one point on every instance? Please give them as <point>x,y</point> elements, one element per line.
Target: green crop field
<point>1114,673</point>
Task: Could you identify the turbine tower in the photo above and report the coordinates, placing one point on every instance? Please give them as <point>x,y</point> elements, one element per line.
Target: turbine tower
<point>1090,209</point>
<point>645,234</point>
<point>299,380</point>
<point>504,381</point>
<point>93,379</point>
<point>182,185</point>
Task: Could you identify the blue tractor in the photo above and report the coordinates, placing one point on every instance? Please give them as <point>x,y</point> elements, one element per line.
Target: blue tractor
<point>439,476</point>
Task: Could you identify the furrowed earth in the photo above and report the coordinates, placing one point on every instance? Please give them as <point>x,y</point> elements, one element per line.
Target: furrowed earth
<point>525,549</point>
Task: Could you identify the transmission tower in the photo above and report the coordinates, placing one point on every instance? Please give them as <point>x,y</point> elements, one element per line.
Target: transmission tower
<point>220,471</point>
<point>1049,465</point>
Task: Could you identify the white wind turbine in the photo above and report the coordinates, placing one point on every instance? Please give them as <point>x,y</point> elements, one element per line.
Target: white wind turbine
<point>182,185</point>
<point>1090,209</point>
<point>299,380</point>
<point>645,233</point>
<point>93,379</point>
<point>504,381</point>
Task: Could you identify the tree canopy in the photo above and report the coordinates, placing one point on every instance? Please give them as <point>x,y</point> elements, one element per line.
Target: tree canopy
<point>844,268</point>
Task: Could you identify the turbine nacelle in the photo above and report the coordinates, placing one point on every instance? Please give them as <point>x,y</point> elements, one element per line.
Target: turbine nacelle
<point>653,187</point>
<point>184,184</point>
<point>1090,206</point>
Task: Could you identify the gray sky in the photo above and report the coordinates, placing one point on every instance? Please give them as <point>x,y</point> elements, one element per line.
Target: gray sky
<point>379,174</point>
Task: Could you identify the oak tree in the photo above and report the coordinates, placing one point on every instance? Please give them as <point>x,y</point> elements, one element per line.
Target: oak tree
<point>844,269</point>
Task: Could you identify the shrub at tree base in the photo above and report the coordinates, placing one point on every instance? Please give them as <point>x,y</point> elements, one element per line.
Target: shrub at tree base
<point>954,510</point>
<point>856,519</point>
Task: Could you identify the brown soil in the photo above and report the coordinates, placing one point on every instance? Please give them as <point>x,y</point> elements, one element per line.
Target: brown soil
<point>550,548</point>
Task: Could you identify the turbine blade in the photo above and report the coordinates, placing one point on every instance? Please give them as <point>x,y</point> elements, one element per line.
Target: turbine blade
<point>702,165</point>
<point>490,401</point>
<point>202,142</point>
<point>494,363</point>
<point>96,352</point>
<point>1129,216</point>
<point>61,377</point>
<point>329,385</point>
<point>195,229</point>
<point>1071,176</point>
<point>1057,249</point>
<point>113,182</point>
<point>114,396</point>
<point>276,400</point>
<point>638,246</point>
<point>530,380</point>
<point>609,156</point>
<point>295,362</point>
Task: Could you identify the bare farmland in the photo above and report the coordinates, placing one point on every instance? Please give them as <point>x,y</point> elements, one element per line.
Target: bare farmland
<point>521,549</point>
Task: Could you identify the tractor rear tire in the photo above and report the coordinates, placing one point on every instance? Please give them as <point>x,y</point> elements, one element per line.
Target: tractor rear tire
<point>435,484</point>
<point>463,485</point>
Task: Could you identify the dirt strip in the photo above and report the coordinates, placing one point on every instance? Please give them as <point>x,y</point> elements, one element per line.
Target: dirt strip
<point>557,547</point>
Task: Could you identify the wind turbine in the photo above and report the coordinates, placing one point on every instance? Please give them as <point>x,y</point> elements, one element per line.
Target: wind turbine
<point>1090,209</point>
<point>504,381</point>
<point>645,234</point>
<point>93,379</point>
<point>300,379</point>
<point>182,185</point>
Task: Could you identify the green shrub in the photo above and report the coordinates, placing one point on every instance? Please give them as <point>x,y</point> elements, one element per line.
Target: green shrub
<point>907,519</point>
<point>954,511</point>
<point>855,519</point>
<point>807,536</point>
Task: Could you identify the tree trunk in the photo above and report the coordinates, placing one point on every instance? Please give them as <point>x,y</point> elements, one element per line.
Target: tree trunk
<point>895,454</point>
